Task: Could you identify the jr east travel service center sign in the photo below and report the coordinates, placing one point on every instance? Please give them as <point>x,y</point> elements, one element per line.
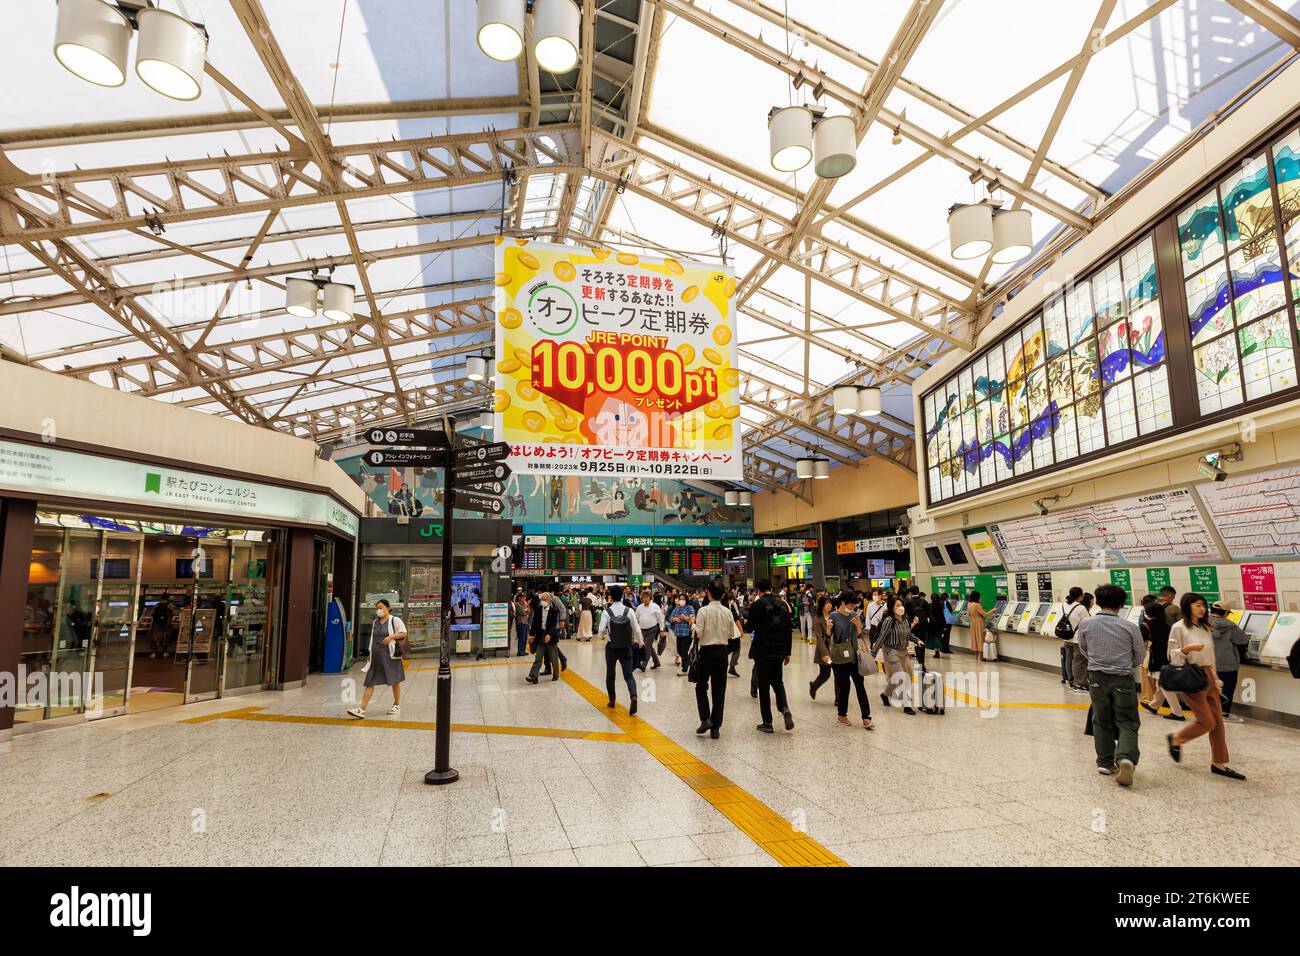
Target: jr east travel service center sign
<point>615,364</point>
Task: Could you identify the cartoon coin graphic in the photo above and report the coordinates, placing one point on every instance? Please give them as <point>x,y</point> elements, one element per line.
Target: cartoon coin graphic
<point>731,377</point>
<point>503,278</point>
<point>601,252</point>
<point>522,357</point>
<point>722,432</point>
<point>722,334</point>
<point>564,271</point>
<point>566,424</point>
<point>533,421</point>
<point>509,366</point>
<point>511,318</point>
<point>529,261</point>
<point>501,401</point>
<point>687,352</point>
<point>673,266</point>
<point>714,356</point>
<point>731,287</point>
<point>731,411</point>
<point>713,409</point>
<point>627,258</point>
<point>526,391</point>
<point>690,293</point>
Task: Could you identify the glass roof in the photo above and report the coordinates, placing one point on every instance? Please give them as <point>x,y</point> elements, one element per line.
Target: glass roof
<point>192,214</point>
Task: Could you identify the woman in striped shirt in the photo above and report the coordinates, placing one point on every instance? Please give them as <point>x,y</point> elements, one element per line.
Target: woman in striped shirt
<point>895,638</point>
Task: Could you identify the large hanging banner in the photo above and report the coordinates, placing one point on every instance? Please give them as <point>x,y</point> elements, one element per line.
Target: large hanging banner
<point>615,364</point>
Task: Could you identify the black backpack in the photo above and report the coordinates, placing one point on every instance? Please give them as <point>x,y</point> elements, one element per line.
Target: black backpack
<point>620,629</point>
<point>1064,629</point>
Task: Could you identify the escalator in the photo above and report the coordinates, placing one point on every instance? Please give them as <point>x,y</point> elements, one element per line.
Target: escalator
<point>663,578</point>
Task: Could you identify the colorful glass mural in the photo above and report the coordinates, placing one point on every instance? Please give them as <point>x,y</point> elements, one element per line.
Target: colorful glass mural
<point>1233,244</point>
<point>1086,373</point>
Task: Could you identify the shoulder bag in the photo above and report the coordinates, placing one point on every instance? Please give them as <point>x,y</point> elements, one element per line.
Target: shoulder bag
<point>1184,678</point>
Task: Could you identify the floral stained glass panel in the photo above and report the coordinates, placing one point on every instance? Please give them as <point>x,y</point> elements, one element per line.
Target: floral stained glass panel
<point>1151,393</point>
<point>1139,267</point>
<point>1115,365</point>
<point>1218,381</point>
<point>1121,415</point>
<point>1208,303</point>
<point>1256,283</point>
<point>1146,337</point>
<point>1267,360</point>
<point>1248,206</point>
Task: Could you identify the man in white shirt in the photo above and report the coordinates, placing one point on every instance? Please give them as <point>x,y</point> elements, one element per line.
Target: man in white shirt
<point>715,626</point>
<point>650,619</point>
<point>618,623</point>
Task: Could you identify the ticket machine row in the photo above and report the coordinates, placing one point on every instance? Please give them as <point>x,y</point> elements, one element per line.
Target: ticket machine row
<point>1272,634</point>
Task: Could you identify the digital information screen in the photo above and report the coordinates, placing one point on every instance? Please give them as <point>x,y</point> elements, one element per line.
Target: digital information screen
<point>606,559</point>
<point>569,559</point>
<point>532,559</point>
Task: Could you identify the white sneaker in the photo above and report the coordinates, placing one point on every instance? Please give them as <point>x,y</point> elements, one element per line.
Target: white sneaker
<point>394,711</point>
<point>358,713</point>
<point>1233,719</point>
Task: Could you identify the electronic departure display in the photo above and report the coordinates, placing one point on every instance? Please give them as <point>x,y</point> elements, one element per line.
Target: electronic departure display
<point>532,559</point>
<point>569,559</point>
<point>705,561</point>
<point>606,559</point>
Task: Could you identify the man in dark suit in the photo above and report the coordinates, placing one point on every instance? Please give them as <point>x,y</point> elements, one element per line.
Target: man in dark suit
<point>546,638</point>
<point>773,626</point>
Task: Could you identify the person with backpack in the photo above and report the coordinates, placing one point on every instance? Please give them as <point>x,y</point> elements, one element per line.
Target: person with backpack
<point>845,639</point>
<point>1067,629</point>
<point>715,626</point>
<point>769,648</point>
<point>738,612</point>
<point>934,639</point>
<point>618,624</point>
<point>1230,644</point>
<point>919,612</point>
<point>561,615</point>
<point>650,620</point>
<point>1157,623</point>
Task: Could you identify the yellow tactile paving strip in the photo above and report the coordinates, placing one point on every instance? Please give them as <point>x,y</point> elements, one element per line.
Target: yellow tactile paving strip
<point>252,713</point>
<point>773,833</point>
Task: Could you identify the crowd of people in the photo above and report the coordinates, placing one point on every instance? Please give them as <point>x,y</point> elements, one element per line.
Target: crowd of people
<point>855,635</point>
<point>1186,653</point>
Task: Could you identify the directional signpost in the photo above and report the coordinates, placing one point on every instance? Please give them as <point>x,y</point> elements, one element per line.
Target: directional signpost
<point>406,457</point>
<point>419,437</point>
<point>473,477</point>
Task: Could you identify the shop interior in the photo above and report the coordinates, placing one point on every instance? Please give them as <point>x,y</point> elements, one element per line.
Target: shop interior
<point>157,614</point>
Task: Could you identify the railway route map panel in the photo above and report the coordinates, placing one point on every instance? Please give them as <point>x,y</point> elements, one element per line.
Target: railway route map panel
<point>1156,529</point>
<point>1257,516</point>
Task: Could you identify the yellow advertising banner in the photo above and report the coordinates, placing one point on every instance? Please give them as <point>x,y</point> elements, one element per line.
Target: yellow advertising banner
<point>615,364</point>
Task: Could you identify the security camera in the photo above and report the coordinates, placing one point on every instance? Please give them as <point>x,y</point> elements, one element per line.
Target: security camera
<point>1209,467</point>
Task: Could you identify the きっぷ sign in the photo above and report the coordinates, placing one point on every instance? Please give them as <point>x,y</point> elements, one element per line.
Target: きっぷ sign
<point>615,364</point>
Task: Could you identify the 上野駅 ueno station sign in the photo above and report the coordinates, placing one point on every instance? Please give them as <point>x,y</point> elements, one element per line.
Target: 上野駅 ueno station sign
<point>74,474</point>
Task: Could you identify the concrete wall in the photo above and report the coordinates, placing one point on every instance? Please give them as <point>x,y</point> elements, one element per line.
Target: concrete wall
<point>34,401</point>
<point>873,485</point>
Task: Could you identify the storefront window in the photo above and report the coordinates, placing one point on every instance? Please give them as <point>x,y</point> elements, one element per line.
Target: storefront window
<point>40,618</point>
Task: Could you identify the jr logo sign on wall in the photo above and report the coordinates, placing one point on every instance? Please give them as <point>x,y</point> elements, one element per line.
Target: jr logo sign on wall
<point>615,364</point>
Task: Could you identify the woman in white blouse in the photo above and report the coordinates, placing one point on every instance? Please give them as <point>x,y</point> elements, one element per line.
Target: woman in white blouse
<point>1191,641</point>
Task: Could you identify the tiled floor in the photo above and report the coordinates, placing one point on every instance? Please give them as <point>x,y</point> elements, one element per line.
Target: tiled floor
<point>968,788</point>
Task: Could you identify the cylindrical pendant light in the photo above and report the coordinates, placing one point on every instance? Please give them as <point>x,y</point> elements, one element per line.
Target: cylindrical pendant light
<point>869,401</point>
<point>746,499</point>
<point>732,498</point>
<point>1013,235</point>
<point>92,40</point>
<point>555,33</point>
<point>338,302</point>
<point>300,297</point>
<point>845,400</point>
<point>476,368</point>
<point>501,28</point>
<point>970,230</point>
<point>171,54</point>
<point>790,135</point>
<point>821,468</point>
<point>835,146</point>
<point>804,468</point>
<point>486,420</point>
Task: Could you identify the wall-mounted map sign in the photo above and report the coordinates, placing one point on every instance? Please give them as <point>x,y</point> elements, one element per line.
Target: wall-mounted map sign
<point>1257,516</point>
<point>1161,528</point>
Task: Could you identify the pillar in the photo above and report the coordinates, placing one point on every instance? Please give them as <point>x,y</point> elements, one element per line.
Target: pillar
<point>17,528</point>
<point>295,621</point>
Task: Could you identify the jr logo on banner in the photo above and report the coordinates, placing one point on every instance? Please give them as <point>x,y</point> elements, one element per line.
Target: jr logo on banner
<point>615,364</point>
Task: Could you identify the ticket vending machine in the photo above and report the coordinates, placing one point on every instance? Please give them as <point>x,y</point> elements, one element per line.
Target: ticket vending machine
<point>1010,617</point>
<point>1047,627</point>
<point>1257,625</point>
<point>995,616</point>
<point>1134,615</point>
<point>338,638</point>
<point>1276,647</point>
<point>1041,613</point>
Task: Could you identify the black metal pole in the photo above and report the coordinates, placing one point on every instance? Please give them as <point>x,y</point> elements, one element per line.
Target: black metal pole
<point>442,771</point>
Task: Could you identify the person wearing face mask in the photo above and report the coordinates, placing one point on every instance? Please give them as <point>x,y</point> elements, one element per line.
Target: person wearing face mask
<point>383,668</point>
<point>894,637</point>
<point>682,619</point>
<point>650,619</point>
<point>773,637</point>
<point>821,631</point>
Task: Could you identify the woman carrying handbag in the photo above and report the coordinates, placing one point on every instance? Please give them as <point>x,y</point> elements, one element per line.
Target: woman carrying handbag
<point>1191,671</point>
<point>845,637</point>
<point>388,645</point>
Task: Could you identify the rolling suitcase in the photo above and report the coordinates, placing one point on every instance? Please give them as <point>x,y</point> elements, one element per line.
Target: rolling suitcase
<point>932,693</point>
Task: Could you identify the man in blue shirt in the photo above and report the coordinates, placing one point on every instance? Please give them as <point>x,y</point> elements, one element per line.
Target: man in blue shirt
<point>1113,648</point>
<point>681,619</point>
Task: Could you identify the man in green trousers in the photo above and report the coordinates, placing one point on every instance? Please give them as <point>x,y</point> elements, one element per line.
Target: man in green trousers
<point>1114,648</point>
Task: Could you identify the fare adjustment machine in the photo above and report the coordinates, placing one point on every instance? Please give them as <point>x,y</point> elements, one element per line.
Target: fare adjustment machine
<point>338,638</point>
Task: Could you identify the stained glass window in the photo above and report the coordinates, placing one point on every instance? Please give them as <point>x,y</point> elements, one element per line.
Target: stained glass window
<point>1238,258</point>
<point>1087,373</point>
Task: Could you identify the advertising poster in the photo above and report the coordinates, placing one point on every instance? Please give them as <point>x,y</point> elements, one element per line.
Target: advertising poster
<point>612,364</point>
<point>496,626</point>
<point>466,600</point>
<point>981,546</point>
